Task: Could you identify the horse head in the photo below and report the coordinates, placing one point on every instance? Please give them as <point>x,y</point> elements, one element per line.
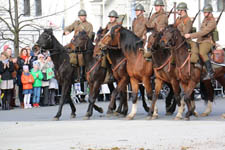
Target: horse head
<point>153,41</point>
<point>80,40</point>
<point>45,39</point>
<point>111,38</point>
<point>169,37</point>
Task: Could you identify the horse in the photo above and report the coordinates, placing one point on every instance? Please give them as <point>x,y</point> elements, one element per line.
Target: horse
<point>118,66</point>
<point>95,74</point>
<point>165,71</point>
<point>188,74</point>
<point>65,72</point>
<point>139,70</point>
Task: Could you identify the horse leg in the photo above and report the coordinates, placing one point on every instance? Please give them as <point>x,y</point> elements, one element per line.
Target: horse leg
<point>62,100</point>
<point>153,109</point>
<point>121,88</point>
<point>142,90</point>
<point>170,101</point>
<point>221,80</point>
<point>94,90</point>
<point>134,85</point>
<point>112,101</point>
<point>193,104</point>
<point>125,104</point>
<point>111,89</point>
<point>73,108</point>
<point>209,98</point>
<point>187,98</point>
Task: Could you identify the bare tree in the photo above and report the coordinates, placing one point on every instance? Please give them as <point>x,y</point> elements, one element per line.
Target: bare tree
<point>12,22</point>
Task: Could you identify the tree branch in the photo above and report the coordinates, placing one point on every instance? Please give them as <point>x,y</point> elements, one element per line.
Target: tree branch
<point>4,38</point>
<point>10,14</point>
<point>6,23</point>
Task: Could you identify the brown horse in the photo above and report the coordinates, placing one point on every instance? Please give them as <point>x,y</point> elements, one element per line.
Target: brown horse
<point>118,66</point>
<point>139,70</point>
<point>165,72</point>
<point>188,74</point>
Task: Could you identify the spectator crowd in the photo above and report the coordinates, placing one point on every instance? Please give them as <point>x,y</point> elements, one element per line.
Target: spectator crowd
<point>33,73</point>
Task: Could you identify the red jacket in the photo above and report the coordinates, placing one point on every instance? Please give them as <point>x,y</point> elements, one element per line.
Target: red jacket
<point>27,81</point>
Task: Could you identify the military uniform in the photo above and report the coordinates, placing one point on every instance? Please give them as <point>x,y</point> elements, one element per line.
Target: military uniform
<point>159,20</point>
<point>139,27</point>
<point>78,26</point>
<point>205,40</point>
<point>184,25</point>
<point>205,37</point>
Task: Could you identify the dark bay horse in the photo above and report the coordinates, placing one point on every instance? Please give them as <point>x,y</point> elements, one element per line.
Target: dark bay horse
<point>65,72</point>
<point>188,75</point>
<point>164,70</point>
<point>139,70</point>
<point>95,74</point>
<point>118,66</point>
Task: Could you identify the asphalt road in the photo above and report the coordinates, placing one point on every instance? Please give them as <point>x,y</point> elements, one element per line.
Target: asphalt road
<point>33,129</point>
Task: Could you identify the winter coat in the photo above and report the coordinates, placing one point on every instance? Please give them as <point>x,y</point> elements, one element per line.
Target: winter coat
<point>7,72</point>
<point>27,81</point>
<point>37,80</point>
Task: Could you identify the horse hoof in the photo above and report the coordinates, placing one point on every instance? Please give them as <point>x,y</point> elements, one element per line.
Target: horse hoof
<point>178,118</point>
<point>169,114</point>
<point>55,119</point>
<point>129,117</point>
<point>149,118</point>
<point>116,114</point>
<point>86,118</point>
<point>204,115</point>
<point>155,117</point>
<point>73,116</point>
<point>187,118</point>
<point>196,114</point>
<point>109,114</point>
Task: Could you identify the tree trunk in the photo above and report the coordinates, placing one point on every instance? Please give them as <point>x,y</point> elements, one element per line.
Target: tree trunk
<point>16,31</point>
<point>16,44</point>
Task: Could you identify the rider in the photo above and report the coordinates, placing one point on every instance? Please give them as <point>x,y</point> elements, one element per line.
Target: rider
<point>158,21</point>
<point>205,39</point>
<point>139,23</point>
<point>184,25</point>
<point>113,16</point>
<point>78,26</point>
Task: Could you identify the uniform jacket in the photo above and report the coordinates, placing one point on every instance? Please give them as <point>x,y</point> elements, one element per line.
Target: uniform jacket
<point>205,33</point>
<point>78,26</point>
<point>159,20</point>
<point>139,26</point>
<point>184,24</point>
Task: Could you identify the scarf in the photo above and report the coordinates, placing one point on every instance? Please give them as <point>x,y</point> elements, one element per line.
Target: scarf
<point>24,57</point>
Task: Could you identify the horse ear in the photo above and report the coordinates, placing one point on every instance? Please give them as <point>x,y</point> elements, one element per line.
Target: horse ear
<point>49,31</point>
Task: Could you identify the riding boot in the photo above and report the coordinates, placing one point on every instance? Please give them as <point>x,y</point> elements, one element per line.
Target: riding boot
<point>82,74</point>
<point>210,72</point>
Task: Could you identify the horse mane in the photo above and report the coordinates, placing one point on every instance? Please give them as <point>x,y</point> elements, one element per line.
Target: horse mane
<point>128,40</point>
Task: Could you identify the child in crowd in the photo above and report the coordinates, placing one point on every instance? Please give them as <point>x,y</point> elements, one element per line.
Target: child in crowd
<point>38,76</point>
<point>27,81</point>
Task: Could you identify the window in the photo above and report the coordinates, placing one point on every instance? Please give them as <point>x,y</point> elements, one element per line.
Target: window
<point>26,7</point>
<point>38,7</point>
<point>217,5</point>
